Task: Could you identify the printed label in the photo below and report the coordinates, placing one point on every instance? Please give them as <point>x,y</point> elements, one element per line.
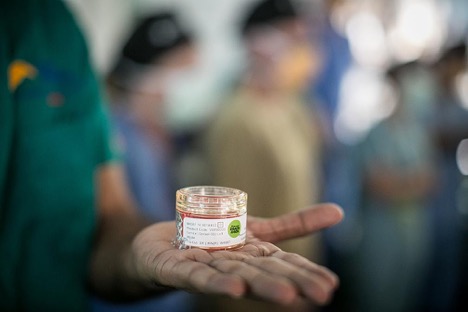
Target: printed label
<point>206,233</point>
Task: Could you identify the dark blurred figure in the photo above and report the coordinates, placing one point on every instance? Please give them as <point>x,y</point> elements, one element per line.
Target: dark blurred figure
<point>450,122</point>
<point>389,266</point>
<point>336,59</point>
<point>265,140</point>
<point>155,57</point>
<point>340,169</point>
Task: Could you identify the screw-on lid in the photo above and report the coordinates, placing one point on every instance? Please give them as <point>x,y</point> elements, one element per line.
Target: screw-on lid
<point>211,199</point>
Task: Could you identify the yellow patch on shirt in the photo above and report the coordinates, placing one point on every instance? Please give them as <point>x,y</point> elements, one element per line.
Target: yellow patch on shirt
<point>18,71</point>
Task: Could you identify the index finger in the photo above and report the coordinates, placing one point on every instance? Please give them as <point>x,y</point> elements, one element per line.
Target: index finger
<point>296,224</point>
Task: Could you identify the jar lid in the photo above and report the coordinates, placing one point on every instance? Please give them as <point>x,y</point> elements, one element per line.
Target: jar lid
<point>211,198</point>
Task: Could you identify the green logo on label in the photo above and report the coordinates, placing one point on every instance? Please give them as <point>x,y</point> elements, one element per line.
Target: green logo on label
<point>234,228</point>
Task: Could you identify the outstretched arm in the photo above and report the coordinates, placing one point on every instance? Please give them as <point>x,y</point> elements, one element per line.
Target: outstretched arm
<point>148,262</point>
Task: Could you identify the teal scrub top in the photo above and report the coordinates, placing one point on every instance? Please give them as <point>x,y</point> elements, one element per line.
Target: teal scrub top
<point>53,135</point>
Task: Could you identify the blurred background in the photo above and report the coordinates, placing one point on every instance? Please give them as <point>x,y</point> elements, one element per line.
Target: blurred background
<point>359,102</point>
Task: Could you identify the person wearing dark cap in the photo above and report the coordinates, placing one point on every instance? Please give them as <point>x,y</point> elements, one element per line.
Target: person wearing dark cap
<point>269,12</point>
<point>265,140</point>
<point>68,226</point>
<point>151,62</point>
<point>150,65</point>
<point>158,42</point>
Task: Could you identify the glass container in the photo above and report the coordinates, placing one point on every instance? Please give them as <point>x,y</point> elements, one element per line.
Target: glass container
<point>211,218</point>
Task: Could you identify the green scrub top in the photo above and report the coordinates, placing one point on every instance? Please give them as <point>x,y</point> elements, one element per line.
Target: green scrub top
<point>53,136</point>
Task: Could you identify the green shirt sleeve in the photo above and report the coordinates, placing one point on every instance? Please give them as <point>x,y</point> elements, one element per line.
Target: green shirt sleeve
<point>6,113</point>
<point>54,134</point>
<point>107,150</point>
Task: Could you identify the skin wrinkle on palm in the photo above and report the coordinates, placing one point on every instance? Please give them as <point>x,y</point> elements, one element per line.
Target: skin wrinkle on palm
<point>259,269</point>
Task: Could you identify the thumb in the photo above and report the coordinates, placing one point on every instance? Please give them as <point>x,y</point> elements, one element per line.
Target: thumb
<point>296,224</point>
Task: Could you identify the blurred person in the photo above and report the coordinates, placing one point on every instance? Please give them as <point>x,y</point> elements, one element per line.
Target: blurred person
<point>265,139</point>
<point>340,171</point>
<point>325,89</point>
<point>155,57</point>
<point>336,60</point>
<point>450,127</point>
<point>68,226</point>
<point>397,161</point>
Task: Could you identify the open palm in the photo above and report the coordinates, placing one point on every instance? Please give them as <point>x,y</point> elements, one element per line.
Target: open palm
<point>259,269</point>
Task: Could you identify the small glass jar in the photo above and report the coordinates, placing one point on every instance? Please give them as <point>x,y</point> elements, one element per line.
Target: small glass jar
<point>211,218</point>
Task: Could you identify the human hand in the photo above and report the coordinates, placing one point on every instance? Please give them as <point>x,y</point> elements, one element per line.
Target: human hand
<point>258,269</point>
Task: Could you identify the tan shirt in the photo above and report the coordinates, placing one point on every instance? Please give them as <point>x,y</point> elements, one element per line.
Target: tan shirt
<point>268,148</point>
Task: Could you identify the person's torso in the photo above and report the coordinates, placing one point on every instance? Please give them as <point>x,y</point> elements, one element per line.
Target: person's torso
<point>53,144</point>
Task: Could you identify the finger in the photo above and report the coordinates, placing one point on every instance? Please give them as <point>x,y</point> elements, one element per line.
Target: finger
<point>266,249</point>
<point>200,277</point>
<point>253,248</point>
<point>305,264</point>
<point>296,224</point>
<point>310,284</point>
<point>261,284</point>
<point>257,248</point>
